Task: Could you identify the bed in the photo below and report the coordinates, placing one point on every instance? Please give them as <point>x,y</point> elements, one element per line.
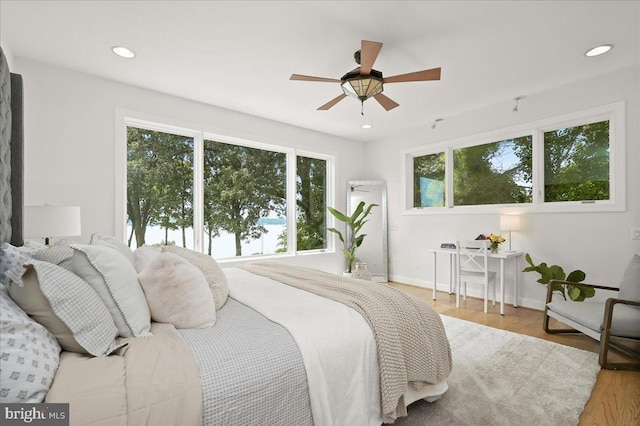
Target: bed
<point>165,336</point>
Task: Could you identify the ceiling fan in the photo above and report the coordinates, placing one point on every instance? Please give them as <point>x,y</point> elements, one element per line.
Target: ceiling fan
<point>364,82</point>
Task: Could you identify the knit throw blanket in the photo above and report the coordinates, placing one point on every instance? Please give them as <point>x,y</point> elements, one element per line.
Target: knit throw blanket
<point>410,338</point>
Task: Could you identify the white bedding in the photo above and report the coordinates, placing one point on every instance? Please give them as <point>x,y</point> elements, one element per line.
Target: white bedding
<point>339,352</point>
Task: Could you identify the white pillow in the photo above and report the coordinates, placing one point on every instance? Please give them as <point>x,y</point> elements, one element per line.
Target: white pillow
<point>144,255</point>
<point>212,271</point>
<point>29,355</point>
<point>177,293</point>
<point>109,241</point>
<point>115,280</point>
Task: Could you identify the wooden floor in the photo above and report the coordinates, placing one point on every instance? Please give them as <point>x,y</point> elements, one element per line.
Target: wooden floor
<point>615,399</point>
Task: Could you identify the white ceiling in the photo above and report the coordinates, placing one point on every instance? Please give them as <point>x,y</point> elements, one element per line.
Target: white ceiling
<point>239,54</point>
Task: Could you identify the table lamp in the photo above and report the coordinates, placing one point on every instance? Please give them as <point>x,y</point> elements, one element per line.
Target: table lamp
<point>509,222</point>
<point>52,221</point>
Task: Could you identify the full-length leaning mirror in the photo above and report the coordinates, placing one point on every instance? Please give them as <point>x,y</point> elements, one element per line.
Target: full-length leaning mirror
<point>373,250</point>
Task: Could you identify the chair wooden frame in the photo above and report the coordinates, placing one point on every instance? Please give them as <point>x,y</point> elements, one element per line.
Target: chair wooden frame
<point>605,336</point>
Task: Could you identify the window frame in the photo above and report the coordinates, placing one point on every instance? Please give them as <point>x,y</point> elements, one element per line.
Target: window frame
<point>125,118</point>
<point>614,113</point>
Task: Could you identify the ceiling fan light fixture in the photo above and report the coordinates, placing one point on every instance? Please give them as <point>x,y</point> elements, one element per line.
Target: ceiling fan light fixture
<point>367,126</point>
<point>362,88</point>
<point>599,50</point>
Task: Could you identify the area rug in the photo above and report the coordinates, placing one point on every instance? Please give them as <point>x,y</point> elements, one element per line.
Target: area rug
<point>505,378</point>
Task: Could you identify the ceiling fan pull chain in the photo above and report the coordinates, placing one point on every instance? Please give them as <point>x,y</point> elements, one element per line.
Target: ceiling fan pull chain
<point>362,108</point>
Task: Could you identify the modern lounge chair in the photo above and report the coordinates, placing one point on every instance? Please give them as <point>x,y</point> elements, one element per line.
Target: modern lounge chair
<point>610,322</point>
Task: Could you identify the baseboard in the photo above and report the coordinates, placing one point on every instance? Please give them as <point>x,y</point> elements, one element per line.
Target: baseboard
<point>508,299</point>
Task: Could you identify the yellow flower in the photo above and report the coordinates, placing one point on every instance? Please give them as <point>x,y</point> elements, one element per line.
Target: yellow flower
<point>496,238</point>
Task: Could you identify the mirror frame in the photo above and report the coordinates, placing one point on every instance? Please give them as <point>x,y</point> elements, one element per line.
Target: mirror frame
<point>382,184</point>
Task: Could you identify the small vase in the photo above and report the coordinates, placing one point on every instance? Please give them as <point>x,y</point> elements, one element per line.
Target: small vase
<point>361,272</point>
<point>494,248</point>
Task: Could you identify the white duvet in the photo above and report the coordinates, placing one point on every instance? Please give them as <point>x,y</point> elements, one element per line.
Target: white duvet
<point>336,344</point>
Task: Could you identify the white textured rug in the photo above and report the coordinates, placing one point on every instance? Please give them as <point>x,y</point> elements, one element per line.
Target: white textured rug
<point>505,378</point>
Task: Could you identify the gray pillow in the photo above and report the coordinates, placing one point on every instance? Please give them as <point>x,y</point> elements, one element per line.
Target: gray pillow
<point>68,307</point>
<point>58,255</point>
<point>630,284</point>
<point>115,280</point>
<point>216,278</point>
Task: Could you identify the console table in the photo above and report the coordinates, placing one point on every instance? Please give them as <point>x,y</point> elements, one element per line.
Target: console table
<point>502,255</point>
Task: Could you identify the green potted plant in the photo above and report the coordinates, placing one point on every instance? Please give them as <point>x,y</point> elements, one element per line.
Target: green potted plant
<point>354,224</point>
<point>577,293</point>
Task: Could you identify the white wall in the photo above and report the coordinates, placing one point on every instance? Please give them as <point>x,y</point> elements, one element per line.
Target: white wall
<point>598,243</point>
<point>70,136</point>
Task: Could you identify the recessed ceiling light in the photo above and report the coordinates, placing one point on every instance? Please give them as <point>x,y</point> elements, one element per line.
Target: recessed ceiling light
<point>599,50</point>
<point>123,52</point>
<point>367,126</point>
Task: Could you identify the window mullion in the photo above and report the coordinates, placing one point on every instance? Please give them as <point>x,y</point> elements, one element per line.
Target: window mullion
<point>198,192</point>
<point>292,230</point>
<point>448,173</point>
<point>537,167</point>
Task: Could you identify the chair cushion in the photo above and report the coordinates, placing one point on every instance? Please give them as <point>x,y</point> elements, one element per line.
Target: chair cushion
<point>626,319</point>
<point>630,284</point>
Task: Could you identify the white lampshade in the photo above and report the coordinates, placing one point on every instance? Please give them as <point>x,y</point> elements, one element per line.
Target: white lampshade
<point>52,221</point>
<point>510,222</point>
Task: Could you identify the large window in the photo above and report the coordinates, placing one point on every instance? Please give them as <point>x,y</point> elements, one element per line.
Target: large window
<point>225,199</point>
<point>159,188</point>
<point>244,199</point>
<point>565,164</point>
<point>311,203</point>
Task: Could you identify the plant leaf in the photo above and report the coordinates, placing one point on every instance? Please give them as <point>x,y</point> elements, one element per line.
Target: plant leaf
<point>340,216</point>
<point>575,294</point>
<point>527,257</point>
<point>557,273</point>
<point>576,276</point>
<point>334,230</point>
<point>357,212</point>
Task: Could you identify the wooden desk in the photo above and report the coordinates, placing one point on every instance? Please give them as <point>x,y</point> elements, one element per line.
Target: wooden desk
<point>502,255</point>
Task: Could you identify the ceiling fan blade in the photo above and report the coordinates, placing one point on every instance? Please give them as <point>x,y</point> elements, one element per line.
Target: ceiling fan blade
<point>368,53</point>
<point>332,102</point>
<point>426,75</point>
<point>387,103</point>
<point>312,78</point>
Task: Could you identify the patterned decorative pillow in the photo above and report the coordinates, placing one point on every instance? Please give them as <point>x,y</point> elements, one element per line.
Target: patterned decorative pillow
<point>12,261</point>
<point>216,278</point>
<point>109,241</point>
<point>29,355</point>
<point>68,307</point>
<point>115,280</point>
<point>58,255</point>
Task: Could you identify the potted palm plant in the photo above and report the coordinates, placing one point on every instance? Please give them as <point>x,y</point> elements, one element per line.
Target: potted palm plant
<point>354,224</point>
